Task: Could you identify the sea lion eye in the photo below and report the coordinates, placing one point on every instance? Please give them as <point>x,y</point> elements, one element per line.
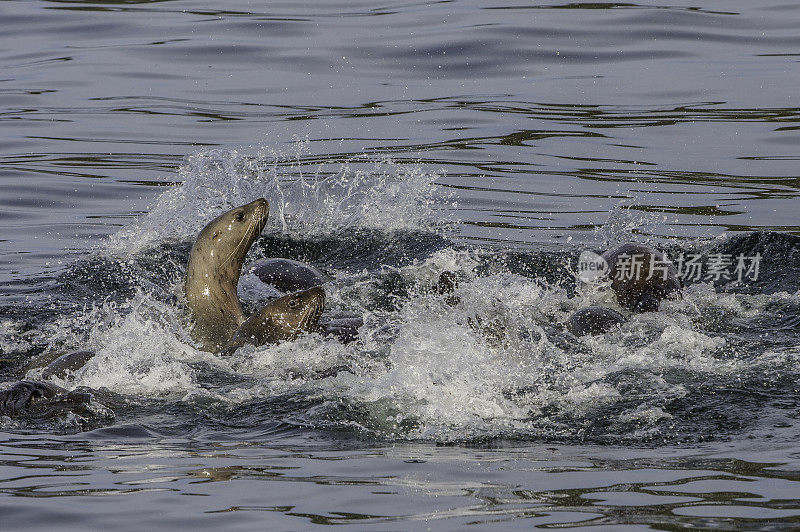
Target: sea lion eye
<point>215,235</point>
<point>240,216</point>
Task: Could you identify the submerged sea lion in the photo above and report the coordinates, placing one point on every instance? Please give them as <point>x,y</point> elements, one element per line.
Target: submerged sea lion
<point>41,398</point>
<point>640,276</point>
<point>447,283</point>
<point>446,286</point>
<point>212,276</point>
<point>593,320</point>
<point>282,320</point>
<point>62,365</point>
<point>287,275</point>
<point>344,328</point>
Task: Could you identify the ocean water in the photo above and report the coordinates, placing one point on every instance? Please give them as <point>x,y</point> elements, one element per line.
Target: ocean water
<point>396,141</point>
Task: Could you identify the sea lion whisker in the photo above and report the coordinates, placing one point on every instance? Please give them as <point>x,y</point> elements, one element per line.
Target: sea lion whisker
<point>246,236</point>
<point>306,316</point>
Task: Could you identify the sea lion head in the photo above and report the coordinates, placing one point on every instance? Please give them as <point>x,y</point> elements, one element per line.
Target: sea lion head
<point>225,241</point>
<point>282,320</point>
<point>212,274</point>
<point>296,313</point>
<point>640,277</point>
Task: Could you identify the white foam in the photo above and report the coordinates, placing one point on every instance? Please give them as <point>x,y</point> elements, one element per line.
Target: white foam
<point>11,339</point>
<point>492,360</point>
<point>141,348</point>
<point>489,366</point>
<point>485,364</point>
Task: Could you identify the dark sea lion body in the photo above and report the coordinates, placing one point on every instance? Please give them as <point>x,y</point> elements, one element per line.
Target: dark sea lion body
<point>212,275</point>
<point>287,275</point>
<point>70,362</point>
<point>594,320</point>
<point>42,398</point>
<point>344,329</point>
<point>640,277</point>
<point>282,320</point>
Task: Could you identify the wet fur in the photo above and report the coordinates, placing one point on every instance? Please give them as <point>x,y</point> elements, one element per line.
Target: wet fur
<point>282,320</point>
<point>212,275</point>
<point>23,396</point>
<point>640,294</point>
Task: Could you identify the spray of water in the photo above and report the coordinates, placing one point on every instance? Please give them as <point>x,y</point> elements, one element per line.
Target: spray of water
<point>307,199</point>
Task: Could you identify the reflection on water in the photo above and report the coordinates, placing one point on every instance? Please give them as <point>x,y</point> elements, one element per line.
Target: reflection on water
<point>286,486</point>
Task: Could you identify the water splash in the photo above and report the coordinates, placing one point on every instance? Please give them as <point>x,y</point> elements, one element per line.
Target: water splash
<point>306,200</point>
<point>12,338</point>
<point>498,363</point>
<point>141,348</point>
<point>492,359</point>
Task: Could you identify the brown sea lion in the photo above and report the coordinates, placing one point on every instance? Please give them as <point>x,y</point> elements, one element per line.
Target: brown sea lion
<point>640,277</point>
<point>282,320</point>
<point>594,320</point>
<point>212,276</point>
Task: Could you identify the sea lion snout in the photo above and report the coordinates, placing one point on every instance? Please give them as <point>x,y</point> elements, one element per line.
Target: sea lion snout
<point>313,301</point>
<point>261,207</point>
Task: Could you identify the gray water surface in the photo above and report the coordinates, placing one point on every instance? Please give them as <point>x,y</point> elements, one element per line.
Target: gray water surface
<point>497,139</point>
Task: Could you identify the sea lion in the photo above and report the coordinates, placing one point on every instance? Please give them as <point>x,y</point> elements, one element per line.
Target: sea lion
<point>344,328</point>
<point>593,320</point>
<point>71,362</point>
<point>447,283</point>
<point>42,398</point>
<point>446,287</point>
<point>51,364</point>
<point>282,320</point>
<point>287,275</point>
<point>212,276</point>
<point>640,276</point>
